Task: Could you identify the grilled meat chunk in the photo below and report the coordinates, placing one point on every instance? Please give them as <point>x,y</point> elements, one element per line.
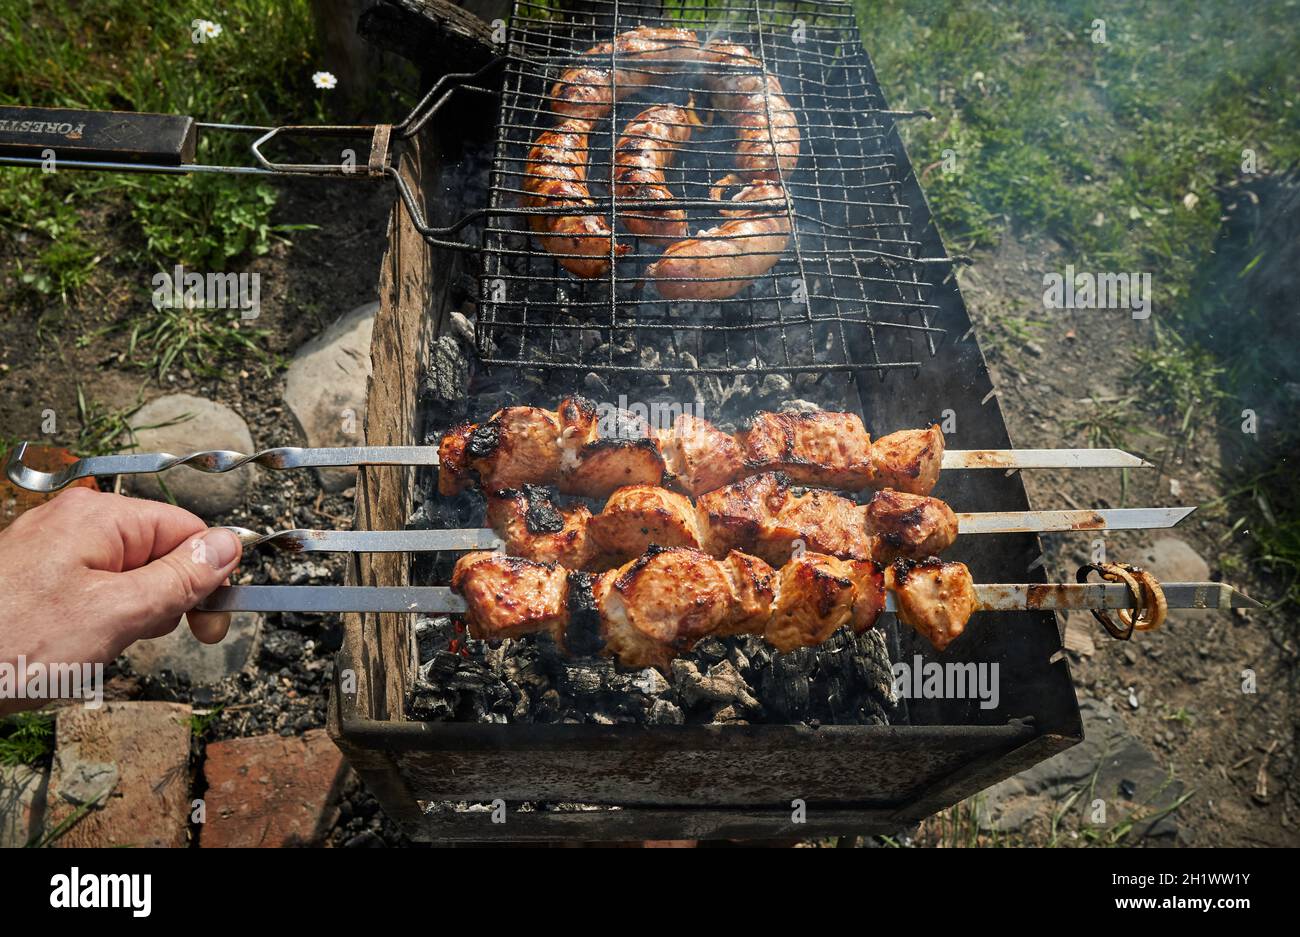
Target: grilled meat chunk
<point>700,457</point>
<point>761,515</point>
<point>517,446</point>
<point>934,597</point>
<point>604,450</point>
<point>754,583</point>
<point>662,603</point>
<point>823,448</point>
<point>556,177</point>
<point>454,474</point>
<point>637,516</point>
<point>533,526</point>
<point>818,594</point>
<point>908,460</point>
<point>754,103</point>
<point>906,525</point>
<point>508,597</point>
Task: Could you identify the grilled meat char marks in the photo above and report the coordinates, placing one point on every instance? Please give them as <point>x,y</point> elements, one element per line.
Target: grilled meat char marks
<point>934,597</point>
<point>649,145</point>
<point>662,603</point>
<point>908,460</point>
<point>532,526</point>
<point>508,596</point>
<point>907,525</point>
<point>823,448</point>
<point>600,449</point>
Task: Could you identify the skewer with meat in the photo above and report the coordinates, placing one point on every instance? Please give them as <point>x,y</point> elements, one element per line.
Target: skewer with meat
<point>648,146</point>
<point>523,445</point>
<point>661,604</point>
<point>721,261</point>
<point>761,515</point>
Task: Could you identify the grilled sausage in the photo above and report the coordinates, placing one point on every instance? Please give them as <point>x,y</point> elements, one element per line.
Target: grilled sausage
<point>754,103</point>
<point>720,262</point>
<point>649,145</point>
<point>556,177</point>
<point>588,92</point>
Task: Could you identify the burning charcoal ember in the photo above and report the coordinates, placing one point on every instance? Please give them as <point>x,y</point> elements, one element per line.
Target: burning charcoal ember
<point>433,635</point>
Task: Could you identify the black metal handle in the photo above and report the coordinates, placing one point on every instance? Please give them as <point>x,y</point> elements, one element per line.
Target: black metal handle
<point>41,133</point>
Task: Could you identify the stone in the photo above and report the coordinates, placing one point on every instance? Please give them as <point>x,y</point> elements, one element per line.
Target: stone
<point>1129,781</point>
<point>183,654</point>
<point>269,791</point>
<point>125,769</point>
<point>1172,560</point>
<point>22,805</point>
<point>325,388</point>
<point>14,500</point>
<point>181,424</point>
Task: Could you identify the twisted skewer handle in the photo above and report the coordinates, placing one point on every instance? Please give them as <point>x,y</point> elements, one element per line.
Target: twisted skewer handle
<point>213,460</point>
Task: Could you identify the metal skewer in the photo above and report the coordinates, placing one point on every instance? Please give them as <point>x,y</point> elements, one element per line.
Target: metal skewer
<point>440,600</point>
<point>483,538</point>
<point>288,457</point>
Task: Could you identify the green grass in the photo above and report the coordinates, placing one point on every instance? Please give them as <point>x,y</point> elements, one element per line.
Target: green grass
<point>133,55</point>
<point>26,738</point>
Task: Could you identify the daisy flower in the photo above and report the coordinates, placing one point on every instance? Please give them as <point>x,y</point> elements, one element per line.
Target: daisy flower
<point>324,81</point>
<point>207,29</point>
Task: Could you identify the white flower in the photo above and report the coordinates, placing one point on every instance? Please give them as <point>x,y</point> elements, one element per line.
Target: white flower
<point>1190,200</point>
<point>324,80</point>
<point>205,30</point>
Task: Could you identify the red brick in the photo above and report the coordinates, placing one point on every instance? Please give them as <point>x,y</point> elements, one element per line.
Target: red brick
<point>147,747</point>
<point>14,500</point>
<point>272,791</point>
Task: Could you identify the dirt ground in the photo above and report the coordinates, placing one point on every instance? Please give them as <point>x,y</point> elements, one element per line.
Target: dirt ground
<point>1236,751</point>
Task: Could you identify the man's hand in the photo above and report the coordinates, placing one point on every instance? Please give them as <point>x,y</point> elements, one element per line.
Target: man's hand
<point>87,574</point>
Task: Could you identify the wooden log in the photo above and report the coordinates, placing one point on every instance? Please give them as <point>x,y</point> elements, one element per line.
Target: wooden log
<point>436,35</point>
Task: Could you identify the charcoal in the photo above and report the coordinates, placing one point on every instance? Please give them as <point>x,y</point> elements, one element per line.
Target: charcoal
<point>722,683</point>
<point>711,650</point>
<point>433,635</point>
<point>664,713</point>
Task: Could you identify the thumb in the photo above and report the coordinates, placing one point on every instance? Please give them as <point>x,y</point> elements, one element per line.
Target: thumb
<point>177,581</point>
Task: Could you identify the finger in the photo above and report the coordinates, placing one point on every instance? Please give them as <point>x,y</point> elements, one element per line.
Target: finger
<point>116,533</point>
<point>154,595</point>
<point>209,627</point>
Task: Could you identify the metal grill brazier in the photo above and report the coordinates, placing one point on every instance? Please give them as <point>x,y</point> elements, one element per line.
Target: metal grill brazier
<point>863,309</point>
